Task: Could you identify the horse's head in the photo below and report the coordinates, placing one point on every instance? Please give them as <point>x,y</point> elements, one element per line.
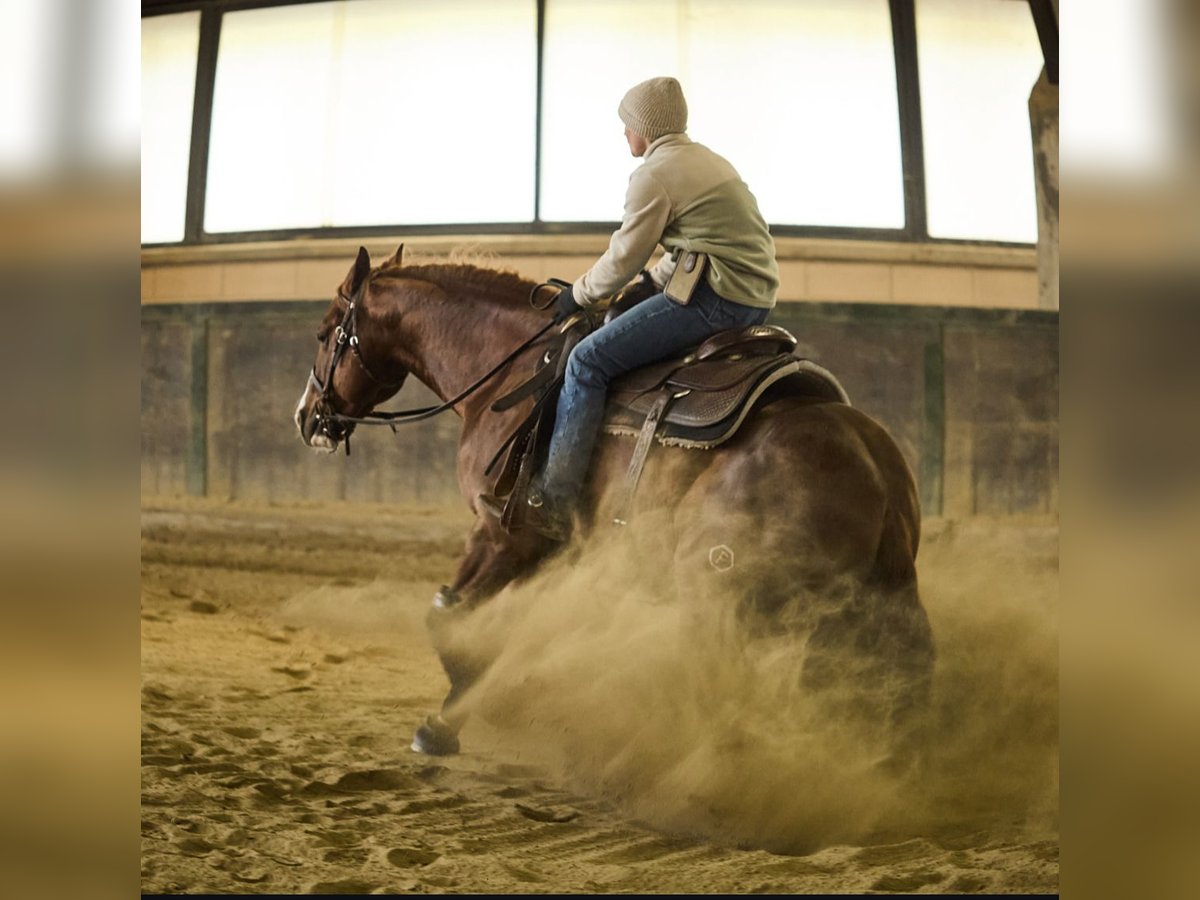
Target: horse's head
<point>355,369</point>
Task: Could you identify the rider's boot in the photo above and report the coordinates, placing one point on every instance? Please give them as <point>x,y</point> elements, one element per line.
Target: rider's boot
<point>542,516</point>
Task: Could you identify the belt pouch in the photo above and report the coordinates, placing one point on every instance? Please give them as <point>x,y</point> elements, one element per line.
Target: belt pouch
<point>686,278</point>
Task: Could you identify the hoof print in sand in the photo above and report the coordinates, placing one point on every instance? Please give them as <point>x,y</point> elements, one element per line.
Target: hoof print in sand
<point>251,876</point>
<point>375,780</point>
<point>273,790</point>
<point>298,671</point>
<point>246,732</point>
<point>411,857</point>
<point>557,816</point>
<point>195,847</point>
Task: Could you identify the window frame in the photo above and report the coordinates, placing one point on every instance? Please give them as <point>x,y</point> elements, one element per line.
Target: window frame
<point>904,42</point>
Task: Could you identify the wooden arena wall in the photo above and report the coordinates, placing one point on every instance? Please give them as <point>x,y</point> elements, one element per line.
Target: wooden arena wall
<point>970,394</point>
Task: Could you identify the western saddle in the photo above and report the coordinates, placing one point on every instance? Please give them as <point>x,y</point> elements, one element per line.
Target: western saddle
<point>695,401</point>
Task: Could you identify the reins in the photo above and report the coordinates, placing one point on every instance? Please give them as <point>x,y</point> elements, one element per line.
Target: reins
<point>392,418</point>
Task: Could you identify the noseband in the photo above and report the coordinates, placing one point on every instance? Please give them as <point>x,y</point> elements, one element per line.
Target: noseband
<point>328,422</point>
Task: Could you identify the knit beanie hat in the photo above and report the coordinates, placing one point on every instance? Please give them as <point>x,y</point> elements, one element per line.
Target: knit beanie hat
<point>654,108</point>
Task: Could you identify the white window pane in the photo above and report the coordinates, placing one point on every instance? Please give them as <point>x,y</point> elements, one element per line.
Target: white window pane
<point>800,97</point>
<point>593,53</point>
<point>270,140</point>
<point>374,112</point>
<point>169,48</point>
<point>979,61</point>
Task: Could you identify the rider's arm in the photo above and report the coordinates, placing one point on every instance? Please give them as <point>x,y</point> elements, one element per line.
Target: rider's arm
<point>647,211</point>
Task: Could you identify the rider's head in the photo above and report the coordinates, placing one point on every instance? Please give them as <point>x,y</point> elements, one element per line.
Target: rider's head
<point>650,110</point>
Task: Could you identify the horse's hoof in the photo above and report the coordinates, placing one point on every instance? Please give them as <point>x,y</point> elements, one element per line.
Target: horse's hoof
<point>435,738</point>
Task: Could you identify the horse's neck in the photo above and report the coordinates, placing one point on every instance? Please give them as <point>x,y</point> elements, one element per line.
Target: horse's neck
<point>448,344</point>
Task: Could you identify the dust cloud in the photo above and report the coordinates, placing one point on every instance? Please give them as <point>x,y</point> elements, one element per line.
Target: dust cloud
<point>624,743</point>
<point>669,708</point>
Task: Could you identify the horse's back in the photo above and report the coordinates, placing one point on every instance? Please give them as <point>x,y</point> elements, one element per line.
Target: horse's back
<point>807,493</point>
<point>831,457</point>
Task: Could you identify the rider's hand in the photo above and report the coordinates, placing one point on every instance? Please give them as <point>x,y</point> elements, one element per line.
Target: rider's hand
<point>642,289</point>
<point>565,305</point>
<point>633,294</point>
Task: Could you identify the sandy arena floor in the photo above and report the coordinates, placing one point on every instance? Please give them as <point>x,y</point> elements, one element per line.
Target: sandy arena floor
<point>285,665</point>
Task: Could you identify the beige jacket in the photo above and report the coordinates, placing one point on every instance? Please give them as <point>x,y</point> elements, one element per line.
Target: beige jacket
<point>686,197</point>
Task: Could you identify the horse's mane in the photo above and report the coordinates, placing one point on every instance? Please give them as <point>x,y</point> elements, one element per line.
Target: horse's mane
<point>455,277</point>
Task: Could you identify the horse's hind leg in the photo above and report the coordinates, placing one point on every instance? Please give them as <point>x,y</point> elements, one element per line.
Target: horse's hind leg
<point>871,660</point>
<point>809,571</point>
<point>880,646</point>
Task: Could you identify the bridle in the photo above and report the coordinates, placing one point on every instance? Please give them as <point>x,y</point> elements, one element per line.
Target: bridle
<point>329,423</point>
<point>345,337</point>
<point>333,425</point>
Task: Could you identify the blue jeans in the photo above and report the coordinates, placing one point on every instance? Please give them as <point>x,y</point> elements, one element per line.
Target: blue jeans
<point>654,329</point>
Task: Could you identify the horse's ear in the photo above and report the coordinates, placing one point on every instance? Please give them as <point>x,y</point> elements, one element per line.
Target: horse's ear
<point>358,273</point>
<point>396,259</point>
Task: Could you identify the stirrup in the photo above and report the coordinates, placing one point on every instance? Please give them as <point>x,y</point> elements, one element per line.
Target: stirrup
<point>548,523</point>
<point>539,518</point>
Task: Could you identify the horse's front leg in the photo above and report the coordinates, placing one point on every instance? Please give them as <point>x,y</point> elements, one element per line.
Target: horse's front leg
<point>491,562</point>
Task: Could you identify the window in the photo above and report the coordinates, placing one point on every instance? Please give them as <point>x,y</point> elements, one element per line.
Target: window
<point>361,113</point>
<point>799,96</point>
<point>979,61</point>
<point>169,47</point>
<point>374,112</point>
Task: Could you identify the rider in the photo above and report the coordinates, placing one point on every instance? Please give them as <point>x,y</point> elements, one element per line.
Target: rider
<point>690,200</point>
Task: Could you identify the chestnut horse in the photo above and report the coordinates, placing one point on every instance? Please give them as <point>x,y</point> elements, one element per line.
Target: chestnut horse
<point>810,498</point>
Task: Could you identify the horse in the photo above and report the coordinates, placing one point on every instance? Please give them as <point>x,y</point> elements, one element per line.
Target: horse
<point>809,498</point>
